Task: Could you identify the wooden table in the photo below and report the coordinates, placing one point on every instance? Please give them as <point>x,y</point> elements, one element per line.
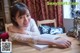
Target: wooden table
<point>23,48</point>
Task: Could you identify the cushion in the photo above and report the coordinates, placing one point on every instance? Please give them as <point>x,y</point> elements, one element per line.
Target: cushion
<point>57,30</point>
<point>45,29</point>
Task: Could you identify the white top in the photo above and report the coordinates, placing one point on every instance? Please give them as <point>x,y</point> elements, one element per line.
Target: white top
<point>32,27</point>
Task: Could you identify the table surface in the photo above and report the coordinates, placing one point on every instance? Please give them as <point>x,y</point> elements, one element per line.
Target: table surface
<point>24,48</point>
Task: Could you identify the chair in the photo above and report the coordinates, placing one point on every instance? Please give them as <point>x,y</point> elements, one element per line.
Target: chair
<point>7,25</point>
<point>47,22</point>
<point>49,29</point>
<point>5,35</point>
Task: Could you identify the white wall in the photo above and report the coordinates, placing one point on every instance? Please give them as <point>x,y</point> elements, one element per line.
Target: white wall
<point>68,24</point>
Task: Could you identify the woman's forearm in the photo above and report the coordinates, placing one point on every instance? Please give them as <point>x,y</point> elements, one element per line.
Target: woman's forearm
<point>40,40</point>
<point>30,39</point>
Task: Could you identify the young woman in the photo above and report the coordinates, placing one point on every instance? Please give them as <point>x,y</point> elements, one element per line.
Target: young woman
<point>24,29</point>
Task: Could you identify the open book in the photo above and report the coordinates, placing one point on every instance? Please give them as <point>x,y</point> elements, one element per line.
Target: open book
<point>39,47</point>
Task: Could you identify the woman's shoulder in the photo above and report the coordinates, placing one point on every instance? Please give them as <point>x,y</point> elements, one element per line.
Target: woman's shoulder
<point>32,21</point>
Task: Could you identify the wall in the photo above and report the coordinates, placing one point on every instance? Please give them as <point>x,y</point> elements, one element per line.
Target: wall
<point>67,20</point>
<point>68,24</point>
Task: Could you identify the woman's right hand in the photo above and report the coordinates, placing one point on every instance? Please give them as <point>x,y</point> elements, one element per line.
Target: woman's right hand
<point>62,43</point>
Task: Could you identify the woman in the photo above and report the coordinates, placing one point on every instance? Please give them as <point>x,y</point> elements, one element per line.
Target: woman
<point>24,29</point>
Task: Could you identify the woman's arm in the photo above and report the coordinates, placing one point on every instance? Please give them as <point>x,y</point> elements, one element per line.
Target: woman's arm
<point>28,36</point>
<point>62,43</point>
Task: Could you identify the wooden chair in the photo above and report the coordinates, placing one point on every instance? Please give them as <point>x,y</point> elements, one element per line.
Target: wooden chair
<point>7,25</point>
<point>47,22</point>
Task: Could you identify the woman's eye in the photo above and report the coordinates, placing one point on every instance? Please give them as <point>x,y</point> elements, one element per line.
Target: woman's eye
<point>20,17</point>
<point>27,15</point>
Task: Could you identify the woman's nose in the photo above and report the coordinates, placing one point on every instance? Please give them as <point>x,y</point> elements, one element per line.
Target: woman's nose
<point>25,19</point>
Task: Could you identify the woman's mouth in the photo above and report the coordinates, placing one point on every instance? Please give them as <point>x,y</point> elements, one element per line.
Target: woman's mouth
<point>25,24</point>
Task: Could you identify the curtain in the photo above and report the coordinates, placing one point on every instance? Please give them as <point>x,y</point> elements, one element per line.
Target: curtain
<point>41,11</point>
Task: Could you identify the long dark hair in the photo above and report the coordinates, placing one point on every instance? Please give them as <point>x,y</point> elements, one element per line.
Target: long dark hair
<point>18,7</point>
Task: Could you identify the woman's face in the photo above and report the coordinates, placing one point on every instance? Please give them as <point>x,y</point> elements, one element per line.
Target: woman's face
<point>23,20</point>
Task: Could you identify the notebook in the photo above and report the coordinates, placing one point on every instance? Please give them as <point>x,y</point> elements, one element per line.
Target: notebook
<point>39,47</point>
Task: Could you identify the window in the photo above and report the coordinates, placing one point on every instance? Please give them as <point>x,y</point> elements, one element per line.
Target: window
<point>72,9</point>
<point>69,12</point>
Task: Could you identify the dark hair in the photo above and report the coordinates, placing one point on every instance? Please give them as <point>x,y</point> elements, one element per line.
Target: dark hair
<point>17,7</point>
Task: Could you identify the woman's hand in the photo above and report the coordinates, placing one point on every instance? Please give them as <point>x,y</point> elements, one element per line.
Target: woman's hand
<point>62,43</point>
